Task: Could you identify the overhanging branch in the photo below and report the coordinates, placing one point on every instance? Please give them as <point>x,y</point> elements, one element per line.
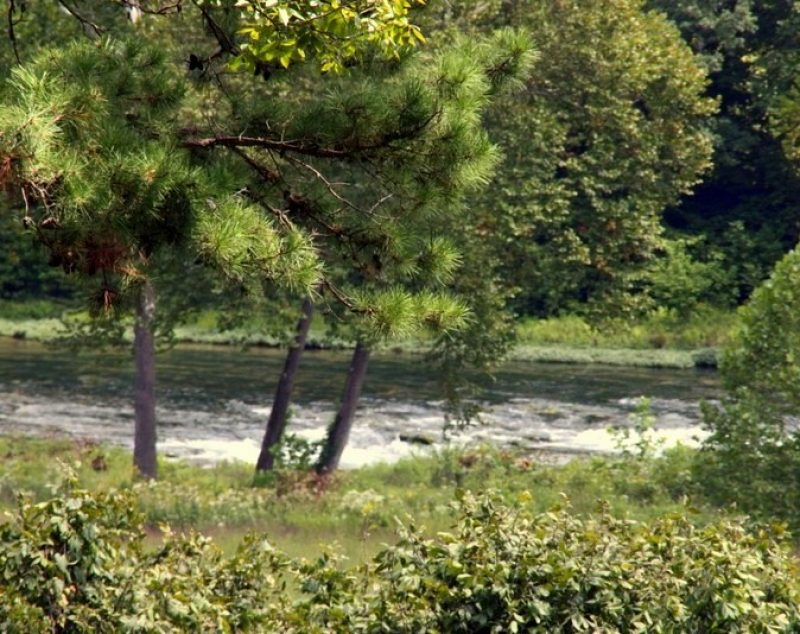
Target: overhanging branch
<point>267,144</point>
<point>310,148</point>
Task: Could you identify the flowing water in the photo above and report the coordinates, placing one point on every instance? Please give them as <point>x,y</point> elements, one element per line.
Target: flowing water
<point>214,401</point>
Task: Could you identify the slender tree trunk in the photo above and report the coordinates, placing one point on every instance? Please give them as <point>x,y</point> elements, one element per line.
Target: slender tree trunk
<point>340,430</point>
<point>283,393</point>
<point>144,439</point>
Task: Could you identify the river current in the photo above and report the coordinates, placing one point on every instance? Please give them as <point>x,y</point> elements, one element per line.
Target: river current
<point>213,402</point>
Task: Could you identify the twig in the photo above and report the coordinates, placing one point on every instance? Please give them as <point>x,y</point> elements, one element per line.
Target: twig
<point>328,185</point>
<point>382,200</point>
<point>162,9</point>
<point>224,40</point>
<point>340,296</point>
<point>85,22</point>
<point>268,174</point>
<point>27,204</point>
<point>11,34</point>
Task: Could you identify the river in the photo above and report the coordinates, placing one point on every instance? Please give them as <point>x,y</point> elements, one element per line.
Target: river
<point>214,401</point>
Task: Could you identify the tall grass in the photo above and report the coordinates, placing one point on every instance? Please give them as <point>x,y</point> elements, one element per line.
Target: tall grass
<point>355,509</point>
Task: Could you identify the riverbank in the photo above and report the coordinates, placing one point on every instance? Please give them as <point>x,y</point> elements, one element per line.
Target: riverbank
<point>662,340</point>
<point>355,509</point>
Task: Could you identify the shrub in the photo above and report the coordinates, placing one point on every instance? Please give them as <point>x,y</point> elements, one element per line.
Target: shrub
<point>503,569</point>
<point>679,282</point>
<point>749,459</point>
<point>764,355</point>
<point>76,563</point>
<point>752,456</point>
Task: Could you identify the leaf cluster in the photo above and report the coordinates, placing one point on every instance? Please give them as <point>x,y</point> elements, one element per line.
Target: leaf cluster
<point>610,129</point>
<point>334,33</point>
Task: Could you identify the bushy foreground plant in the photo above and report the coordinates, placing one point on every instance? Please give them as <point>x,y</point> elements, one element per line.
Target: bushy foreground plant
<point>752,457</point>
<point>76,563</point>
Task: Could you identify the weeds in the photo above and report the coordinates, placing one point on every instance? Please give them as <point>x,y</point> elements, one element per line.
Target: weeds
<point>357,507</point>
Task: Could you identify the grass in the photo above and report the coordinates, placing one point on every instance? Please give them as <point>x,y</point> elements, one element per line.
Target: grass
<point>609,356</point>
<point>663,339</point>
<point>706,328</point>
<point>356,509</point>
<point>35,329</point>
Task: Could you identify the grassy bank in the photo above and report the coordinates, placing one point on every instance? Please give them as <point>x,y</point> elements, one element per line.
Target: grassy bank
<point>704,358</point>
<point>706,328</point>
<point>663,339</point>
<point>355,509</point>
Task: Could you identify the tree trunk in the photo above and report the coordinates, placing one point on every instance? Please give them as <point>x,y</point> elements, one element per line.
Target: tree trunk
<point>144,439</point>
<point>283,393</point>
<point>340,430</point>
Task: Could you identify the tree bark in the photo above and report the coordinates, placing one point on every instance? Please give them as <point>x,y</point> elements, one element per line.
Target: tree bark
<point>340,430</point>
<point>144,439</point>
<point>283,393</point>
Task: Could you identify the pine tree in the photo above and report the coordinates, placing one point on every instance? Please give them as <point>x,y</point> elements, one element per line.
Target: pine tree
<point>360,148</point>
<point>87,139</point>
<point>389,261</point>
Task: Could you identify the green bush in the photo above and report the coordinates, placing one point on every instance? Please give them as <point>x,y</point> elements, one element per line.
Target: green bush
<point>76,563</point>
<point>749,460</point>
<point>752,457</point>
<point>679,282</point>
<point>764,355</point>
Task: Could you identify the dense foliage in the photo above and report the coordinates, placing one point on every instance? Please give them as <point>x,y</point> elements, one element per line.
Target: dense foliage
<point>350,167</point>
<point>731,231</point>
<point>754,449</point>
<point>341,187</point>
<point>609,130</point>
<point>744,215</point>
<point>89,143</point>
<point>77,563</point>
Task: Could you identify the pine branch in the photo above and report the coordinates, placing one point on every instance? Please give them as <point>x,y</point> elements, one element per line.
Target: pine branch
<point>297,147</point>
<point>310,148</point>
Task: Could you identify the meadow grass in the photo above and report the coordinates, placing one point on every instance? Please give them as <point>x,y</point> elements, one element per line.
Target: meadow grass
<point>355,511</point>
<point>557,353</point>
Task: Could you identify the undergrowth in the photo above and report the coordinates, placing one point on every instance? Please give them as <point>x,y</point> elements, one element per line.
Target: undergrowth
<point>356,508</point>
